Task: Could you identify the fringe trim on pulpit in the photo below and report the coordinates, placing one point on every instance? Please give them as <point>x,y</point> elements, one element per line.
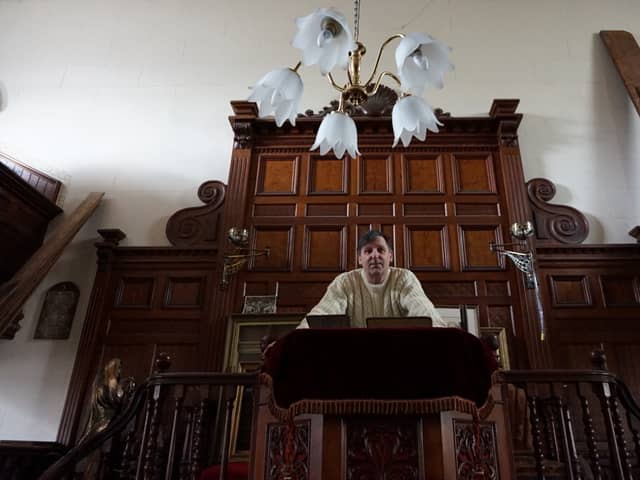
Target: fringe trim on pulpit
<point>371,406</point>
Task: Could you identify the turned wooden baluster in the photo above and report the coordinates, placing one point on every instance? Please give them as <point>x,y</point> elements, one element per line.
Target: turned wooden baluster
<point>185,459</point>
<point>603,392</point>
<point>198,430</point>
<point>618,427</point>
<point>229,395</point>
<point>590,435</point>
<point>568,442</point>
<point>635,435</point>
<point>149,469</point>
<point>127,454</point>
<point>177,410</point>
<point>547,410</point>
<point>538,451</point>
<point>146,458</point>
<point>613,424</point>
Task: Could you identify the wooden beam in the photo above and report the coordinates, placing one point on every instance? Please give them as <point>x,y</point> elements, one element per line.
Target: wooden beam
<point>625,52</point>
<point>15,292</point>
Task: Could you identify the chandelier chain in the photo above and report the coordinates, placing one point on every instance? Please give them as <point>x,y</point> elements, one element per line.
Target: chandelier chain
<point>356,19</point>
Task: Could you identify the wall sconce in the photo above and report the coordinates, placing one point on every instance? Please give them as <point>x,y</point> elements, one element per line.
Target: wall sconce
<point>523,260</point>
<point>240,255</point>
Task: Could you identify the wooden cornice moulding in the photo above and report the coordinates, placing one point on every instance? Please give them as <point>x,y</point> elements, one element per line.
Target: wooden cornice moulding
<point>625,53</point>
<point>15,292</point>
<point>614,252</point>
<point>199,226</point>
<point>502,123</point>
<point>554,223</point>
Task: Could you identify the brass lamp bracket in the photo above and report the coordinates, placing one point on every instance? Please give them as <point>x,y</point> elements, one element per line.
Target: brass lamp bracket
<point>240,255</point>
<point>523,260</point>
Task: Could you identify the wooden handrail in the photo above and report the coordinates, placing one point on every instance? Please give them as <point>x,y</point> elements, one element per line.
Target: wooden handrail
<point>91,443</point>
<point>136,405</point>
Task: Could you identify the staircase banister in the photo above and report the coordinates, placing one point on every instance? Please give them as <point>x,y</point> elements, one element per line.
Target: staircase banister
<point>88,445</point>
<point>548,376</point>
<point>202,378</point>
<point>626,399</point>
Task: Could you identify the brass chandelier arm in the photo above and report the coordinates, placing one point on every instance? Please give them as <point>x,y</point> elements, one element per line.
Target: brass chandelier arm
<point>334,84</point>
<point>380,77</point>
<point>295,69</point>
<point>382,47</point>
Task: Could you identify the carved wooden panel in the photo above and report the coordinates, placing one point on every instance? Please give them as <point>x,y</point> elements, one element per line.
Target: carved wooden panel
<point>376,209</point>
<point>135,292</point>
<point>498,288</point>
<point>325,248</point>
<point>379,449</point>
<point>375,174</point>
<point>450,288</point>
<point>491,209</point>
<point>279,240</point>
<point>473,173</point>
<point>327,210</point>
<point>426,247</point>
<point>282,462</point>
<point>328,175</point>
<point>424,209</point>
<point>474,247</point>
<point>422,173</point>
<point>620,290</point>
<point>277,210</point>
<point>185,292</point>
<point>277,175</point>
<point>570,291</point>
<point>476,455</point>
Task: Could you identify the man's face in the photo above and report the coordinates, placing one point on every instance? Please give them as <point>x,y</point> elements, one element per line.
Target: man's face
<point>375,258</point>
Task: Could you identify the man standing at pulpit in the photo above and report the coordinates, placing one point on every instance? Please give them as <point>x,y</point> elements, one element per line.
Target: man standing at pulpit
<point>377,289</point>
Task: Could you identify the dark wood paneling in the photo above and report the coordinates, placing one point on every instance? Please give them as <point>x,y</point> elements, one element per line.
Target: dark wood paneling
<point>424,209</point>
<point>474,173</point>
<point>277,175</point>
<point>570,291</point>
<point>422,173</point>
<point>474,244</point>
<point>279,240</point>
<point>328,175</point>
<point>375,174</point>
<point>426,247</point>
<point>24,216</point>
<point>325,248</point>
<point>590,293</point>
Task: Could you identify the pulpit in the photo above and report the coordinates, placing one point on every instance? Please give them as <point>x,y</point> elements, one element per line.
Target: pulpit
<point>414,403</point>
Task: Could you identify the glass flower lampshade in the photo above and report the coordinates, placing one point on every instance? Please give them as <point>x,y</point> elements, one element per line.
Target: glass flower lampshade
<point>325,40</point>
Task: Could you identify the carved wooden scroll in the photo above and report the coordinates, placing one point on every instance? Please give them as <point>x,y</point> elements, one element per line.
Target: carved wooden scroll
<point>554,223</point>
<point>625,52</point>
<point>199,226</point>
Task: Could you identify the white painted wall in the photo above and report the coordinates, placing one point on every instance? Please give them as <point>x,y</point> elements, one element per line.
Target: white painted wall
<point>131,97</point>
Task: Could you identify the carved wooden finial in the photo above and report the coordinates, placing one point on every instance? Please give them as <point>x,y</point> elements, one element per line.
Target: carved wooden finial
<point>162,362</point>
<point>112,236</point>
<point>599,359</point>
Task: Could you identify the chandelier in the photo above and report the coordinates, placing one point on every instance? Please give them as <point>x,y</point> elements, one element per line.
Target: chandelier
<point>325,39</point>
